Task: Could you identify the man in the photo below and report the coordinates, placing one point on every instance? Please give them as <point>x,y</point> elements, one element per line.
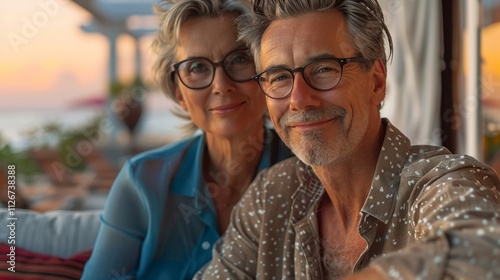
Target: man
<point>362,202</point>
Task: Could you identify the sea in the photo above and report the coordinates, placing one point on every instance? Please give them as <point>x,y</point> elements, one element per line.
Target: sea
<point>156,125</point>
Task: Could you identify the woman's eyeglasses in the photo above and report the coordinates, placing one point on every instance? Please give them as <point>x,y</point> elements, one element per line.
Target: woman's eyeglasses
<point>199,72</point>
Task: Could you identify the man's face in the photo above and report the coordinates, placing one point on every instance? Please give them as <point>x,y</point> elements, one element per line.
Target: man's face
<point>321,127</point>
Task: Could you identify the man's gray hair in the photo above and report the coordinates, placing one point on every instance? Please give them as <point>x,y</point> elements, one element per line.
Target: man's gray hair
<point>364,19</point>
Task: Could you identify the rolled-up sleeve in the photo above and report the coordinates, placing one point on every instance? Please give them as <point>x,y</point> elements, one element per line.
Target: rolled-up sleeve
<point>456,227</point>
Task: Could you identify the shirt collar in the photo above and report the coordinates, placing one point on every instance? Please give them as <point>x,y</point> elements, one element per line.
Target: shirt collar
<point>189,179</point>
<point>382,196</point>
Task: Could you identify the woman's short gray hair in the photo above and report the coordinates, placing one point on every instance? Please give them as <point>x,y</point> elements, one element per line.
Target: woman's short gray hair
<point>364,19</point>
<point>172,14</point>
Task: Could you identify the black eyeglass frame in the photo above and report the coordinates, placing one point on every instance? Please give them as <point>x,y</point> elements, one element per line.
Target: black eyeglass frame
<point>340,61</point>
<point>175,68</point>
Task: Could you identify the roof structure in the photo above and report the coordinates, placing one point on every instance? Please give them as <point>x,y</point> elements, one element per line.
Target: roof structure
<point>113,18</point>
<point>124,16</point>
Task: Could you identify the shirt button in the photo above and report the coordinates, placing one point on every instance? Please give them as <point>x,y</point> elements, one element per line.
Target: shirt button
<point>205,245</point>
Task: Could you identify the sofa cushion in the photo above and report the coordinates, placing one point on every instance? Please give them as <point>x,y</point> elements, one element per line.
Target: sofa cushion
<point>23,264</point>
<point>60,233</point>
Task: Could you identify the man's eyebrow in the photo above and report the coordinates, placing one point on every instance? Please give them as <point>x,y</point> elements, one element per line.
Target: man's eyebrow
<point>309,60</point>
<point>275,67</point>
<point>320,57</point>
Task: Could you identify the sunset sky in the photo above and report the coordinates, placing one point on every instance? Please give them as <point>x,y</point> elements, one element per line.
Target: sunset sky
<point>46,61</point>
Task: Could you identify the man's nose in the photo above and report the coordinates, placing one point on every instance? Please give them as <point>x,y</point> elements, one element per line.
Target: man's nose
<point>302,95</point>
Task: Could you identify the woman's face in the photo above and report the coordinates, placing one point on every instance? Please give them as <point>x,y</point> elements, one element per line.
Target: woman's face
<point>224,108</point>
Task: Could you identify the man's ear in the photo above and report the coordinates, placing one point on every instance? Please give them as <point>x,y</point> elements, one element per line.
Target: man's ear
<point>180,98</point>
<point>379,82</point>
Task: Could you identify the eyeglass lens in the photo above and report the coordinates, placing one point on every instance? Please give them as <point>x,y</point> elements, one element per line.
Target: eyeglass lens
<point>199,72</point>
<point>320,75</point>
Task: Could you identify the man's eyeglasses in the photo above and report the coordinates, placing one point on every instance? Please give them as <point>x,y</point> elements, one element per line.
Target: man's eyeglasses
<point>323,74</point>
<point>199,72</point>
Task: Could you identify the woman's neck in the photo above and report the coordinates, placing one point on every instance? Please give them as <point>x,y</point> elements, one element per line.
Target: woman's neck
<point>233,161</point>
<point>229,166</point>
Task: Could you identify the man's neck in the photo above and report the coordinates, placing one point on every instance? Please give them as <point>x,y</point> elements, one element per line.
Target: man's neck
<point>347,181</point>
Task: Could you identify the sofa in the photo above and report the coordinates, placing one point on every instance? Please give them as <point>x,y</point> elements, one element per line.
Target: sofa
<point>52,244</point>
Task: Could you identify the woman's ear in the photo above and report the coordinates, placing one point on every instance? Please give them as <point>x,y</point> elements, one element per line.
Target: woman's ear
<point>379,82</point>
<point>180,98</point>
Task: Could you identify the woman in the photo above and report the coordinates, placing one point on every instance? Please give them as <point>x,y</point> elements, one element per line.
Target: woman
<point>168,206</point>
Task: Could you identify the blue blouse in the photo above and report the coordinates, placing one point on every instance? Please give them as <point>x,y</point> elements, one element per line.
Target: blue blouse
<point>159,221</point>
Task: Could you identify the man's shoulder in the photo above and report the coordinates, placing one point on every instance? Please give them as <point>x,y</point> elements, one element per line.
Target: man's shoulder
<point>276,186</point>
<point>289,167</point>
<point>437,164</point>
<point>426,156</point>
<point>284,176</point>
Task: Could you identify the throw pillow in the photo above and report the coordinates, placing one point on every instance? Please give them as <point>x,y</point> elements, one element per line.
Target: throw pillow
<point>20,264</point>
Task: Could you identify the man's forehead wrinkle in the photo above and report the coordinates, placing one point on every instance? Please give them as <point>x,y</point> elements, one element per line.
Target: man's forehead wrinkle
<point>279,36</point>
<point>293,41</point>
<point>271,42</point>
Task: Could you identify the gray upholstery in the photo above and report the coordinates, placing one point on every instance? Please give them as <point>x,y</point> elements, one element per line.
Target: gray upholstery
<point>59,233</point>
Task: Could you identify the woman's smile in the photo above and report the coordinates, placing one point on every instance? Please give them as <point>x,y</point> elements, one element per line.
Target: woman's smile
<point>227,109</point>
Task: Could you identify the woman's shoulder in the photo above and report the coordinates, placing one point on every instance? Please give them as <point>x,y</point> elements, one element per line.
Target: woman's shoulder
<point>167,152</point>
<point>149,173</point>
